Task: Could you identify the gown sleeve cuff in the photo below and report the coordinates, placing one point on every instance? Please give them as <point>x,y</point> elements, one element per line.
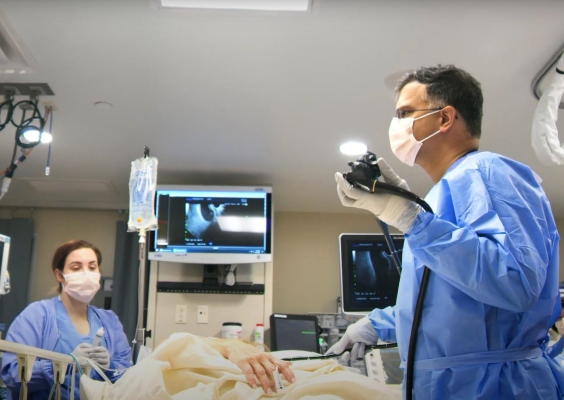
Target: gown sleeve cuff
<point>422,220</point>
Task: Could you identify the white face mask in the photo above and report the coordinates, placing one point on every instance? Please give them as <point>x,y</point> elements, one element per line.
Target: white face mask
<point>82,286</point>
<point>404,145</point>
<point>560,326</point>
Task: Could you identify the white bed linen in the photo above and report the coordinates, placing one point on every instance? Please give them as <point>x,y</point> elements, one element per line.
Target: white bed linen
<point>186,367</point>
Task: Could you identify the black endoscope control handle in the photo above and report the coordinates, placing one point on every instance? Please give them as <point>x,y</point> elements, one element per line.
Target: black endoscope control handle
<point>364,174</point>
<point>364,171</point>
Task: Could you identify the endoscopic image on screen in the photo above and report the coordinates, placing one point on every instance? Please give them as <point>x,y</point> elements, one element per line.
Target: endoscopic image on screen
<point>225,222</point>
<point>375,278</point>
<point>373,270</point>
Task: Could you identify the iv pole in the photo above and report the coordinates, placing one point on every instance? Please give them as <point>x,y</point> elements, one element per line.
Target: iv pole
<point>140,327</point>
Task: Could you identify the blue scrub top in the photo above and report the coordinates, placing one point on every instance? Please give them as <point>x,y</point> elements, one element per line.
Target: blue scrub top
<point>69,337</point>
<point>492,248</point>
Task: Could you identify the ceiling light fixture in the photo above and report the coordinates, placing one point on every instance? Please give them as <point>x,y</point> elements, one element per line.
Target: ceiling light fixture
<point>260,5</point>
<point>25,124</point>
<point>26,117</point>
<point>31,134</point>
<point>353,148</point>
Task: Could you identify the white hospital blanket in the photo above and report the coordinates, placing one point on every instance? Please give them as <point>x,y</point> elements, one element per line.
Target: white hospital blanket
<point>186,367</point>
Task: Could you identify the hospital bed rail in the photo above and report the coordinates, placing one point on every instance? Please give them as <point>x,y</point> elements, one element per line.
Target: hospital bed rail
<point>26,356</point>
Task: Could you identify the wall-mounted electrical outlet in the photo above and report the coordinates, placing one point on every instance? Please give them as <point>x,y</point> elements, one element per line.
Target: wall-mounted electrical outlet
<point>180,316</point>
<point>202,314</point>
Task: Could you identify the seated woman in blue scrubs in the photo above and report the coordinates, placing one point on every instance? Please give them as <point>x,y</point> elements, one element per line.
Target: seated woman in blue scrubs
<point>68,324</point>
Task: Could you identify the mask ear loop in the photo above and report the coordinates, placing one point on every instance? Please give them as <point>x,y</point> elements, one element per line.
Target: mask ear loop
<point>430,136</point>
<point>423,116</point>
<point>426,115</point>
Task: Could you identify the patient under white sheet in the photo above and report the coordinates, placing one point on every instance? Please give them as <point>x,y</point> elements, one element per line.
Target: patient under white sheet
<point>186,367</point>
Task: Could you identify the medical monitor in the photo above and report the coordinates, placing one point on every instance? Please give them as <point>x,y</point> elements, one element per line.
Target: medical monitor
<point>4,255</point>
<point>369,277</point>
<point>212,224</point>
<point>294,332</point>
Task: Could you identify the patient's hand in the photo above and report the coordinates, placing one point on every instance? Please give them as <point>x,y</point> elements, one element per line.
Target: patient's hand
<point>256,364</point>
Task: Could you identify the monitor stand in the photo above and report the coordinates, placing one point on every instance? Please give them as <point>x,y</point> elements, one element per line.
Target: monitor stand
<point>211,275</point>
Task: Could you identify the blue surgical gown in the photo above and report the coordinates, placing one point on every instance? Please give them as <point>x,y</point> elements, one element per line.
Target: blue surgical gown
<point>37,326</point>
<point>492,248</point>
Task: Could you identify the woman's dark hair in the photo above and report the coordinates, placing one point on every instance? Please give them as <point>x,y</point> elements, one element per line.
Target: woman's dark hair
<point>450,86</point>
<point>66,248</point>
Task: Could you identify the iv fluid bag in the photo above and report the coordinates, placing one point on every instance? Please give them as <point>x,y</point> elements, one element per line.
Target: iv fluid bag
<point>142,187</point>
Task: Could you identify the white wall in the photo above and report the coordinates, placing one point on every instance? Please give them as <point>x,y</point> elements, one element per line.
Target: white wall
<point>306,260</point>
<point>54,227</point>
<point>246,309</point>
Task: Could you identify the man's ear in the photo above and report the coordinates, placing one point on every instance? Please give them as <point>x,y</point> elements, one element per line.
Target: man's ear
<point>448,116</point>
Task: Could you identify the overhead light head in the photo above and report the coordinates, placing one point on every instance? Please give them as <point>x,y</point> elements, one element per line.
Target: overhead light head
<point>30,136</point>
<point>353,148</point>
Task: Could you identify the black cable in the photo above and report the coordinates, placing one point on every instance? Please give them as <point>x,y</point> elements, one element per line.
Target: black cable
<point>413,336</point>
<point>329,356</point>
<point>24,105</point>
<point>322,357</point>
<point>36,114</point>
<point>390,243</point>
<point>382,187</point>
<point>8,105</point>
<point>16,143</point>
<point>10,171</point>
<point>13,160</point>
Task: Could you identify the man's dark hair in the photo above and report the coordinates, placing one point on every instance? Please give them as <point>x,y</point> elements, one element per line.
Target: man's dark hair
<point>450,86</point>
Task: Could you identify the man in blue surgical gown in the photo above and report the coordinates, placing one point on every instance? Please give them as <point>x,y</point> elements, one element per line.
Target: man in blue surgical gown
<point>491,246</point>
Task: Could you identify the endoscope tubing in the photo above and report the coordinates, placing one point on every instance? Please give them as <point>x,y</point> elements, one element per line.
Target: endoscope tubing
<point>395,258</point>
<point>382,187</point>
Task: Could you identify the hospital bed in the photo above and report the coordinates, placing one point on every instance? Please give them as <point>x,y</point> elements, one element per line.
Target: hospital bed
<point>186,367</point>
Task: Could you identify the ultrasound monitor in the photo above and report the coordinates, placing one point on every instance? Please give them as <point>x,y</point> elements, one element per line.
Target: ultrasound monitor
<point>369,276</point>
<point>294,332</point>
